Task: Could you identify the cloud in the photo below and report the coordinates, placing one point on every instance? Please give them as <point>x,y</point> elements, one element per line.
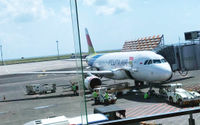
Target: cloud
<point>108,7</point>
<point>23,10</point>
<point>101,2</point>
<point>11,37</point>
<point>104,10</point>
<point>24,18</point>
<point>64,15</point>
<point>89,2</point>
<point>146,2</point>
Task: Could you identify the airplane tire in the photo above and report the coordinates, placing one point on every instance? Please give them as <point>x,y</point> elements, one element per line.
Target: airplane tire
<point>171,100</point>
<point>106,102</point>
<point>180,102</point>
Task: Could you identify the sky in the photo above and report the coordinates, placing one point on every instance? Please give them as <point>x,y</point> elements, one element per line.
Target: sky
<point>30,28</point>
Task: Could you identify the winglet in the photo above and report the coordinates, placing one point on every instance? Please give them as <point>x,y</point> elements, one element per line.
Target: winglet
<point>89,42</point>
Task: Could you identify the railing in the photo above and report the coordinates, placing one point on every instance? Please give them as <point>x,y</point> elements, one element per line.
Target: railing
<point>129,121</point>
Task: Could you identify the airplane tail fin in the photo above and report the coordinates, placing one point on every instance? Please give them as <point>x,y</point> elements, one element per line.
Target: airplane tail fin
<point>89,42</point>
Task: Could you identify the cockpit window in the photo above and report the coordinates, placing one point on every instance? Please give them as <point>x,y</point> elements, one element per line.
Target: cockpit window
<point>150,62</point>
<point>146,62</point>
<point>156,61</point>
<point>163,60</point>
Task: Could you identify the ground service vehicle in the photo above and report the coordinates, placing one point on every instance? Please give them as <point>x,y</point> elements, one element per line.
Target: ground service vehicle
<point>101,96</point>
<point>176,94</point>
<point>112,112</point>
<point>40,88</point>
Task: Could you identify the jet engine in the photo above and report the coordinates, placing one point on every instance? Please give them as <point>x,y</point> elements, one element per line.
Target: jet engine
<point>92,81</point>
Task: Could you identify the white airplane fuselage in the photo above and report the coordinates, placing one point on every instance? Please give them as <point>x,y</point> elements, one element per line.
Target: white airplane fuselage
<point>138,65</point>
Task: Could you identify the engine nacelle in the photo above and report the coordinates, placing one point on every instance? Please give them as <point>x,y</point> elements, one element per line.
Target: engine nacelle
<point>92,81</point>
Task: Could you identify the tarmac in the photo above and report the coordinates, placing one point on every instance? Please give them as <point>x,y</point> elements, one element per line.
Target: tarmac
<point>18,108</point>
<point>39,66</point>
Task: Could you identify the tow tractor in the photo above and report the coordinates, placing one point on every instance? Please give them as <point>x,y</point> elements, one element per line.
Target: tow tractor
<point>176,94</point>
<point>101,91</point>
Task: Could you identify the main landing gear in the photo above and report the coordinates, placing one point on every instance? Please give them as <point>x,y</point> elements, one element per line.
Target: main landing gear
<point>138,84</point>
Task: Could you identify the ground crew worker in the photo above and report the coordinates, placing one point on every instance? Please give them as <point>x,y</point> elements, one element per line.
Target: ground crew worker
<point>95,95</point>
<point>106,97</point>
<point>4,98</point>
<point>146,96</point>
<point>74,88</point>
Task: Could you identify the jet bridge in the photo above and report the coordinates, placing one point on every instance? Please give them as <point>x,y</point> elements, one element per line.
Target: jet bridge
<point>182,57</point>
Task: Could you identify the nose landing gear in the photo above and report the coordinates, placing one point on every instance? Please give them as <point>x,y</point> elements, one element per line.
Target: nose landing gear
<point>151,92</point>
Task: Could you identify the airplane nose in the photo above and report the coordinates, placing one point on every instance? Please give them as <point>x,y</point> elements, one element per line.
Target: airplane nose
<point>167,73</point>
<point>164,73</point>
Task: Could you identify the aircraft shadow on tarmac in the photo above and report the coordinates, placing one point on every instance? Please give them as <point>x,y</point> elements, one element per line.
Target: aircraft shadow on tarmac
<point>139,97</point>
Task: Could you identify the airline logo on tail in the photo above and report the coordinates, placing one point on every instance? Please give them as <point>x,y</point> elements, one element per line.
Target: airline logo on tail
<point>89,42</point>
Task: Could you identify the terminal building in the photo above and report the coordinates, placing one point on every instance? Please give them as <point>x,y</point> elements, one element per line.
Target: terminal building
<point>146,43</point>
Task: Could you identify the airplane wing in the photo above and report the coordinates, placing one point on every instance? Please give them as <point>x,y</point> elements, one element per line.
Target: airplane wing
<point>67,72</point>
<point>85,72</point>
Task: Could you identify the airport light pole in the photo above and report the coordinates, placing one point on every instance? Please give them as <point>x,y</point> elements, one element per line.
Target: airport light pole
<point>1,54</point>
<point>58,49</point>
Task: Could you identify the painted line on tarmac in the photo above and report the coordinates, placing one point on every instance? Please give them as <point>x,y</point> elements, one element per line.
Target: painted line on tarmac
<point>1,113</point>
<point>164,109</point>
<point>132,111</point>
<point>142,110</point>
<point>170,109</point>
<point>42,107</point>
<point>149,110</point>
<point>154,109</point>
<point>159,109</point>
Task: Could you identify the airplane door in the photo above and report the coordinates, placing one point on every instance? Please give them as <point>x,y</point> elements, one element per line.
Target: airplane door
<point>146,69</point>
<point>131,61</point>
<point>149,69</point>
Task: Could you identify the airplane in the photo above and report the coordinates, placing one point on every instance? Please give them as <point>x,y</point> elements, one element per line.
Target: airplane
<point>141,66</point>
<point>137,65</point>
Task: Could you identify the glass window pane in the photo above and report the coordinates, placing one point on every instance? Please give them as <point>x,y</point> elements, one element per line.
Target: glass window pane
<point>79,63</point>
